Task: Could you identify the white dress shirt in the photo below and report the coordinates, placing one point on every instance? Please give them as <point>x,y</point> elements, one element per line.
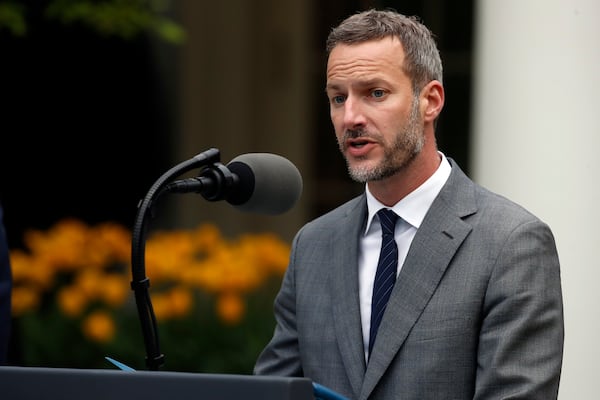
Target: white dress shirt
<point>412,210</point>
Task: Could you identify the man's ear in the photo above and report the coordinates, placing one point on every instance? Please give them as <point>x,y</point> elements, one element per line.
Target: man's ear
<point>432,100</point>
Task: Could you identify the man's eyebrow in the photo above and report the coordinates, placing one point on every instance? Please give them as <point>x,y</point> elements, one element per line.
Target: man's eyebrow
<point>371,82</point>
<point>361,84</point>
<point>332,86</point>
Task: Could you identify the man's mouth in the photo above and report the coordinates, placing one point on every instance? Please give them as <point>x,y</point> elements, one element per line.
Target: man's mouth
<point>357,143</point>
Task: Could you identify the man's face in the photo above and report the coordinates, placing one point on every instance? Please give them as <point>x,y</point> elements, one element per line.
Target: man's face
<point>376,117</point>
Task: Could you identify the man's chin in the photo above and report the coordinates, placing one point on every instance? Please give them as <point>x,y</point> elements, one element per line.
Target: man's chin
<point>363,172</point>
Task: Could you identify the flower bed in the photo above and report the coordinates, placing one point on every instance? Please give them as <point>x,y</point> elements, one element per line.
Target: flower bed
<point>212,297</point>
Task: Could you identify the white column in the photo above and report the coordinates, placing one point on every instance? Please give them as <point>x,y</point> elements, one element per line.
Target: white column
<point>536,138</point>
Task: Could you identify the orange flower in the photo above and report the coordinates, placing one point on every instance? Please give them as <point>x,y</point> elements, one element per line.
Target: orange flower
<point>23,299</point>
<point>180,300</point>
<point>230,308</point>
<point>160,306</point>
<point>114,289</point>
<point>72,301</point>
<point>30,270</point>
<point>175,303</point>
<point>88,282</point>
<point>99,327</point>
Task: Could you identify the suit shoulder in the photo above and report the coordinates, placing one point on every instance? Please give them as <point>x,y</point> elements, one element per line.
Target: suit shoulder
<point>467,197</point>
<point>502,206</point>
<point>355,206</point>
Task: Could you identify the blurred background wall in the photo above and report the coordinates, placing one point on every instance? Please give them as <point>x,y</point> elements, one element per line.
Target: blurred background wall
<point>90,118</point>
<point>260,87</point>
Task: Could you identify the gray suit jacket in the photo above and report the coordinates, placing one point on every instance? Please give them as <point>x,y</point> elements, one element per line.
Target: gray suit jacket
<point>476,312</point>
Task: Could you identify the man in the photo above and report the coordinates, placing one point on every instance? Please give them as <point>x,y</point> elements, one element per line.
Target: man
<point>476,309</point>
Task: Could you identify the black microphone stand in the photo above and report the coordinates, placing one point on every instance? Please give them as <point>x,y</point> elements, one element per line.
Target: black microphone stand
<point>140,283</point>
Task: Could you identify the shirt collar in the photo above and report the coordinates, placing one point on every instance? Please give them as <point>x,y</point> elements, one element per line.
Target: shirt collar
<point>413,207</point>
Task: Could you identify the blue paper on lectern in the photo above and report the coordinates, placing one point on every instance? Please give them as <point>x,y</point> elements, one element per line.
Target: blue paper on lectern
<point>324,393</point>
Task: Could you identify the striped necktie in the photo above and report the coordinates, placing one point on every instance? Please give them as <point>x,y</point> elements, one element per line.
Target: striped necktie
<point>385,277</point>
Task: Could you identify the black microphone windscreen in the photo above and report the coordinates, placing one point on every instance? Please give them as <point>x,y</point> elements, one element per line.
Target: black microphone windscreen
<point>268,183</point>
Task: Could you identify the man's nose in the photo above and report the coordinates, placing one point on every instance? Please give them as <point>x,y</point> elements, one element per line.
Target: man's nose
<point>353,113</point>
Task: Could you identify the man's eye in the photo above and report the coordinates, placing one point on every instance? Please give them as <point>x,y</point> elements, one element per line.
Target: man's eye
<point>338,99</point>
<point>378,93</point>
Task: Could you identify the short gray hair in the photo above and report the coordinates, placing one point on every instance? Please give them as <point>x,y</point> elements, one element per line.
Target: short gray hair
<point>422,59</point>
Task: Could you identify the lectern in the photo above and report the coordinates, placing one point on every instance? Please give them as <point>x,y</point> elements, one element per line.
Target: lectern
<point>37,383</point>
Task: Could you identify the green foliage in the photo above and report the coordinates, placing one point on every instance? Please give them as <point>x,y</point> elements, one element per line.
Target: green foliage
<point>122,18</point>
<point>12,18</point>
<point>200,343</point>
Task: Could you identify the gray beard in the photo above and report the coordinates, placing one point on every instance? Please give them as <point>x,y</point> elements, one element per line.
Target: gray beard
<point>407,144</point>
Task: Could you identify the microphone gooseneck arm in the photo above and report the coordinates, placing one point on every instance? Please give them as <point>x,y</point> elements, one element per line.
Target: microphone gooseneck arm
<point>140,283</point>
<point>260,182</point>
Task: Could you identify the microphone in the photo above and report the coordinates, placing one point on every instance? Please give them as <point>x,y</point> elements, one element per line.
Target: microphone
<point>263,183</point>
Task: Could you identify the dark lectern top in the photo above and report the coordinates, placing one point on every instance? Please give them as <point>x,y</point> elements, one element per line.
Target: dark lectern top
<point>24,383</point>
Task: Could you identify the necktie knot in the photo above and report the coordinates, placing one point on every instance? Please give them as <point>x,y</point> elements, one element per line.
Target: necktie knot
<point>387,219</point>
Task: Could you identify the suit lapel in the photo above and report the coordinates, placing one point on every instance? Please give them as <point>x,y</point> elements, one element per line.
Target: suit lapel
<point>437,240</point>
<point>344,292</point>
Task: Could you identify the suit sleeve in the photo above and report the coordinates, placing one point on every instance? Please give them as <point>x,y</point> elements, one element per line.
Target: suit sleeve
<point>521,341</point>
